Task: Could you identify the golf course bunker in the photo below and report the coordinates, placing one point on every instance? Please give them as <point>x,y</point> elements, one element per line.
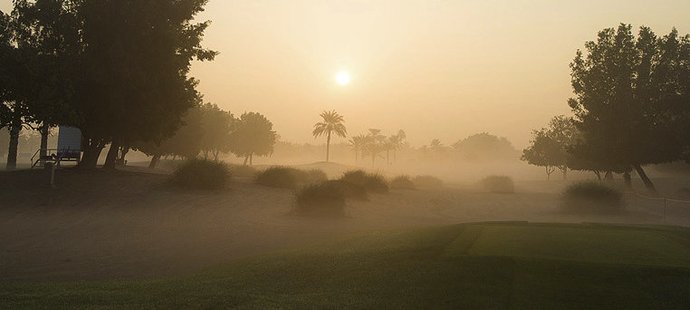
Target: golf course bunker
<point>583,243</point>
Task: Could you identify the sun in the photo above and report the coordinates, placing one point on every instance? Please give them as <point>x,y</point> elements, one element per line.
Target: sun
<point>343,78</point>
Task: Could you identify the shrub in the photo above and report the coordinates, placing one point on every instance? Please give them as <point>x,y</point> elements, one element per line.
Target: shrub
<point>402,182</point>
<point>325,199</point>
<point>351,191</point>
<point>427,182</point>
<point>243,171</point>
<point>201,174</point>
<point>291,178</point>
<point>370,182</point>
<point>592,197</point>
<point>498,184</point>
<point>313,176</point>
<point>281,177</point>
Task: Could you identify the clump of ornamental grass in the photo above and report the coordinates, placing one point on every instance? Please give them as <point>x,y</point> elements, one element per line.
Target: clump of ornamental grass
<point>201,174</point>
<point>326,199</point>
<point>373,183</point>
<point>592,197</point>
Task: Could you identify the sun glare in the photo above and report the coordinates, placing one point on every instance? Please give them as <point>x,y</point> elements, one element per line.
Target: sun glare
<point>343,78</point>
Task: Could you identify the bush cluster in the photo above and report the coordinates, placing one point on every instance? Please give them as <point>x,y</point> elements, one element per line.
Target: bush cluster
<point>324,199</point>
<point>327,198</point>
<point>498,184</point>
<point>427,182</point>
<point>374,183</point>
<point>402,182</point>
<point>201,174</point>
<point>290,178</point>
<point>592,197</point>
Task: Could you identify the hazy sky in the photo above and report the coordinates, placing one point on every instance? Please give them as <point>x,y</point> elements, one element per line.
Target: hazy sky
<point>437,69</point>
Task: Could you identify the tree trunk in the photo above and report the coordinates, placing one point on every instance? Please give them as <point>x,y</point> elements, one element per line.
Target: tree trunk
<point>154,161</point>
<point>43,154</point>
<point>111,159</point>
<point>564,170</point>
<point>645,179</point>
<point>328,147</point>
<point>549,171</point>
<point>215,155</point>
<point>608,176</point>
<point>246,159</point>
<point>15,129</point>
<point>627,179</point>
<point>92,152</point>
<point>598,174</point>
<point>251,159</point>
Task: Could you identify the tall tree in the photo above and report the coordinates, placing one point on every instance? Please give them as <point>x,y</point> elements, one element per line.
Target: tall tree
<point>253,135</point>
<point>217,126</point>
<point>133,84</point>
<point>629,95</point>
<point>550,147</point>
<point>357,143</point>
<point>331,122</point>
<point>375,144</point>
<point>396,142</point>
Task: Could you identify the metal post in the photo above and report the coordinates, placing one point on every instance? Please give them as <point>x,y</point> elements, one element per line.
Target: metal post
<point>52,176</point>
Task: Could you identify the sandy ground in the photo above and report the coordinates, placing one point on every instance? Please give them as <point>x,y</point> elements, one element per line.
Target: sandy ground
<point>125,225</point>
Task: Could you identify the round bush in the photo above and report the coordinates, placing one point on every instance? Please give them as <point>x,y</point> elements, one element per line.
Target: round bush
<point>325,199</point>
<point>370,182</point>
<point>201,174</point>
<point>427,182</point>
<point>281,177</point>
<point>313,176</point>
<point>402,182</point>
<point>351,191</point>
<point>498,184</point>
<point>592,197</point>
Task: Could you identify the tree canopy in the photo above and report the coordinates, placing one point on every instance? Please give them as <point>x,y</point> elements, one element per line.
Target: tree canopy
<point>632,99</point>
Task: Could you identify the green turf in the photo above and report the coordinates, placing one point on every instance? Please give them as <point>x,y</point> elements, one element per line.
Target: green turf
<point>495,266</point>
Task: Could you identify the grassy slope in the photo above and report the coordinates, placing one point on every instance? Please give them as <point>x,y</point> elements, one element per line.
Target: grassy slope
<point>474,266</point>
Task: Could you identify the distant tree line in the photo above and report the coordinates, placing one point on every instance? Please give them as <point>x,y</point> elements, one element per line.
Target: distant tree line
<point>631,107</point>
<point>116,69</point>
<point>210,131</point>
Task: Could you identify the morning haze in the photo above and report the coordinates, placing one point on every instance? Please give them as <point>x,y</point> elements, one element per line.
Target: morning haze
<point>448,69</point>
<point>344,154</point>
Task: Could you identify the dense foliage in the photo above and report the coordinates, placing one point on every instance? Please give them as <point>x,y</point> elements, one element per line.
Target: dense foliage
<point>370,182</point>
<point>592,197</point>
<point>201,174</point>
<point>323,199</point>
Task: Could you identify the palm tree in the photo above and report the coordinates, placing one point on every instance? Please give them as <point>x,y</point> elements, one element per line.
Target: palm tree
<point>375,143</point>
<point>332,123</point>
<point>357,143</point>
<point>396,142</point>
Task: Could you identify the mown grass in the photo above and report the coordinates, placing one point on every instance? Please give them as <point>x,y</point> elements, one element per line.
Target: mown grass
<point>475,266</point>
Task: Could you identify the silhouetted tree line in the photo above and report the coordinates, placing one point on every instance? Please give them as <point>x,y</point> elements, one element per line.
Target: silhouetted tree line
<point>631,106</point>
<point>116,69</point>
<point>210,131</point>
